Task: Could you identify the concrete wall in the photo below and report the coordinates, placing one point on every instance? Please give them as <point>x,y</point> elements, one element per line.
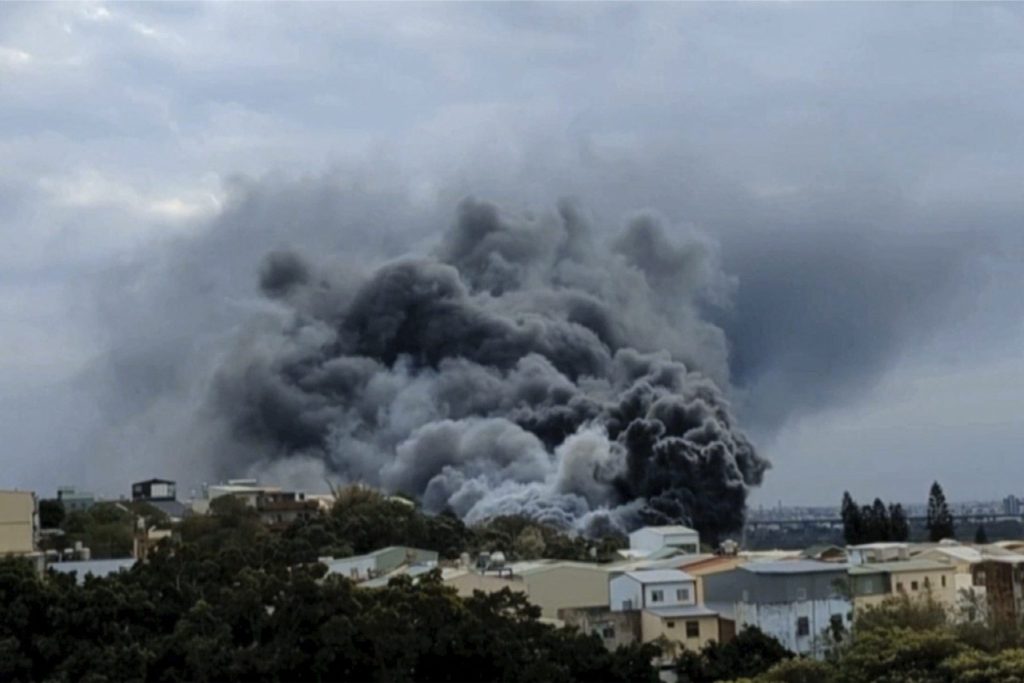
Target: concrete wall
<point>615,629</point>
<point>648,539</point>
<point>654,626</point>
<point>466,584</point>
<point>17,522</point>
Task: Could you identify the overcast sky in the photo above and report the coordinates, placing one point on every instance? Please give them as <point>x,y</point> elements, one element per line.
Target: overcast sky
<point>859,167</point>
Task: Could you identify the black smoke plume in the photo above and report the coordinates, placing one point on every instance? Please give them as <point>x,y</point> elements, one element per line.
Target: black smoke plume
<point>520,368</point>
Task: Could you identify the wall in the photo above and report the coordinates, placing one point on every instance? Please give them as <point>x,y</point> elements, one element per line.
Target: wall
<point>623,589</point>
<point>669,596</point>
<point>355,568</point>
<point>674,629</point>
<point>557,586</point>
<point>17,522</point>
<point>615,629</point>
<point>466,584</point>
<point>780,621</point>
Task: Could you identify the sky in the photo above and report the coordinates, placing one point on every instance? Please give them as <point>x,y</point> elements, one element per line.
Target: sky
<point>856,169</point>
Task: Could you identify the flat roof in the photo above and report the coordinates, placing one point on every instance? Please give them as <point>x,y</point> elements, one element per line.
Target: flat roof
<point>793,567</point>
<point>667,529</point>
<point>659,575</point>
<point>899,566</point>
<point>682,611</point>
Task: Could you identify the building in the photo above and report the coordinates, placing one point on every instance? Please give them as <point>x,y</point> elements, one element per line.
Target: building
<point>878,552</point>
<point>650,539</point>
<point>647,588</point>
<point>379,562</point>
<point>799,602</point>
<point>687,627</point>
<point>19,523</point>
<point>549,584</point>
<point>152,490</point>
<point>1011,505</point>
<point>97,568</point>
<point>999,589</point>
<point>281,508</point>
<point>872,583</point>
<point>615,629</point>
<point>74,500</point>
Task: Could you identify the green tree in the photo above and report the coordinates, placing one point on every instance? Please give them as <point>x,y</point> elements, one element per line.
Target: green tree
<point>981,536</point>
<point>799,671</point>
<point>750,653</point>
<point>853,524</point>
<point>898,525</point>
<point>51,513</point>
<point>939,520</point>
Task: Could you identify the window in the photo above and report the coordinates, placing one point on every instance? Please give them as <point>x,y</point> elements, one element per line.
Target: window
<point>801,593</point>
<point>627,604</point>
<point>979,578</point>
<point>913,585</point>
<point>943,581</point>
<point>899,586</point>
<point>683,594</point>
<point>670,624</point>
<point>657,596</point>
<point>837,623</point>
<point>693,629</point>
<point>927,583</point>
<point>608,632</point>
<point>803,626</point>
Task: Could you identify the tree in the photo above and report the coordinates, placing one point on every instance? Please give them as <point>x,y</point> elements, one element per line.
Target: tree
<point>898,525</point>
<point>51,513</point>
<point>880,527</point>
<point>981,536</point>
<point>939,520</point>
<point>750,653</point>
<point>853,524</point>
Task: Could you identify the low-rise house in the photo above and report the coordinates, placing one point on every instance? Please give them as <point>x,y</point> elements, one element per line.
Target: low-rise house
<point>998,583</point>
<point>162,495</point>
<point>963,559</point>
<point>872,583</point>
<point>650,539</point>
<point>379,562</point>
<point>615,629</point>
<point>281,508</point>
<point>799,602</point>
<point>652,588</point>
<point>689,627</point>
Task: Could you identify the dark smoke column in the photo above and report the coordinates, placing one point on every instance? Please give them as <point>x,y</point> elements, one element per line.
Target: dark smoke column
<point>519,369</point>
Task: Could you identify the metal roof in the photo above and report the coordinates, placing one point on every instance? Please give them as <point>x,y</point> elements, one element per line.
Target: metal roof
<point>659,575</point>
<point>793,567</point>
<point>898,566</point>
<point>682,611</point>
<point>668,529</point>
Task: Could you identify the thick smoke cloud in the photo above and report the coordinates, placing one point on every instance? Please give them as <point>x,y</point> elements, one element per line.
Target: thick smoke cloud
<point>522,367</point>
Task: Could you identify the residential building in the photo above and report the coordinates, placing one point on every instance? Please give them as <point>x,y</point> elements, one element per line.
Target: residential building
<point>379,562</point>
<point>153,490</point>
<point>615,629</point>
<point>281,508</point>
<point>963,559</point>
<point>799,602</point>
<point>74,500</point>
<point>19,523</point>
<point>642,589</point>
<point>871,583</point>
<point>650,539</point>
<point>878,552</point>
<point>999,589</point>
<point>689,627</point>
<point>824,553</point>
<point>1011,505</point>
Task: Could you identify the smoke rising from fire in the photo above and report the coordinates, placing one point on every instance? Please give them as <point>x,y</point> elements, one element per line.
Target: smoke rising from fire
<point>521,367</point>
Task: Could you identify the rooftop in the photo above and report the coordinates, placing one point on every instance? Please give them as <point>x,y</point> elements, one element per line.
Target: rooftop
<point>659,575</point>
<point>682,611</point>
<point>669,529</point>
<point>794,567</point>
<point>899,566</point>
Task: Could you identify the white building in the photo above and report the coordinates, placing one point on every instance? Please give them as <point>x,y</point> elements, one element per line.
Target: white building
<point>651,539</point>
<point>798,602</point>
<point>643,589</point>
<point>887,551</point>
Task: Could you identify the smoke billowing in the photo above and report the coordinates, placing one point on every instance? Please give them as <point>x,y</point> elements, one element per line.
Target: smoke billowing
<point>521,367</point>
